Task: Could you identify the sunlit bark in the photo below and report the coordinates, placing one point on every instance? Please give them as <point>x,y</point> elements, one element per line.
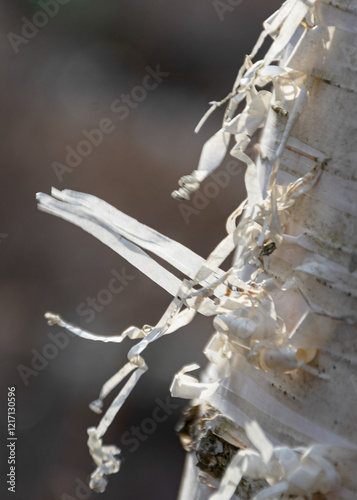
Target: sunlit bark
<point>317,256</point>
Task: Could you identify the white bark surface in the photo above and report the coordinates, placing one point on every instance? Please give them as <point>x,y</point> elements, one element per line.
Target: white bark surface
<point>282,378</point>
<point>299,408</point>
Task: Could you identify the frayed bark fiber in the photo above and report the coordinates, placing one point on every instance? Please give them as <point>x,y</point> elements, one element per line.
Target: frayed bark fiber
<point>273,413</point>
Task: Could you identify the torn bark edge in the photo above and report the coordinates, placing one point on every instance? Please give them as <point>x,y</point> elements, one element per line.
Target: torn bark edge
<point>210,438</point>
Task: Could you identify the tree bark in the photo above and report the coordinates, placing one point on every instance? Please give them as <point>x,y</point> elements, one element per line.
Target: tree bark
<point>274,413</point>
<point>317,254</point>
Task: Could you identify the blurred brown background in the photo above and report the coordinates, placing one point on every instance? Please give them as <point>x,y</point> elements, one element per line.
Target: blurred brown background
<point>61,81</point>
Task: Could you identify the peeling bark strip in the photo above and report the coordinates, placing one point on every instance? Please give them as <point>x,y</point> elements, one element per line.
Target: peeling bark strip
<point>274,414</point>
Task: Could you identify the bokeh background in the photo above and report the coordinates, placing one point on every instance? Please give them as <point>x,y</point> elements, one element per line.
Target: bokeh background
<point>61,82</point>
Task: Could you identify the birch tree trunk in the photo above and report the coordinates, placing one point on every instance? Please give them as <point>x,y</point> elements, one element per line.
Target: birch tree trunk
<point>318,251</point>
<point>274,415</point>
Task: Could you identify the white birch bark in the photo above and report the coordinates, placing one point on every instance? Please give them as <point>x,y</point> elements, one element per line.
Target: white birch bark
<point>275,410</point>
<point>298,408</point>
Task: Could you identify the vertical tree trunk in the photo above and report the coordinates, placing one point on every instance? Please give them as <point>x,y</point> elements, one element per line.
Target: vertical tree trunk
<point>317,256</point>
<point>275,412</point>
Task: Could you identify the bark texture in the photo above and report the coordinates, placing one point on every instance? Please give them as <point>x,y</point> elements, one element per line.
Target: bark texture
<point>273,416</point>
<point>317,254</point>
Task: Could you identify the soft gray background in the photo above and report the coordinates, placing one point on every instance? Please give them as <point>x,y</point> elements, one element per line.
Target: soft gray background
<point>59,83</point>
